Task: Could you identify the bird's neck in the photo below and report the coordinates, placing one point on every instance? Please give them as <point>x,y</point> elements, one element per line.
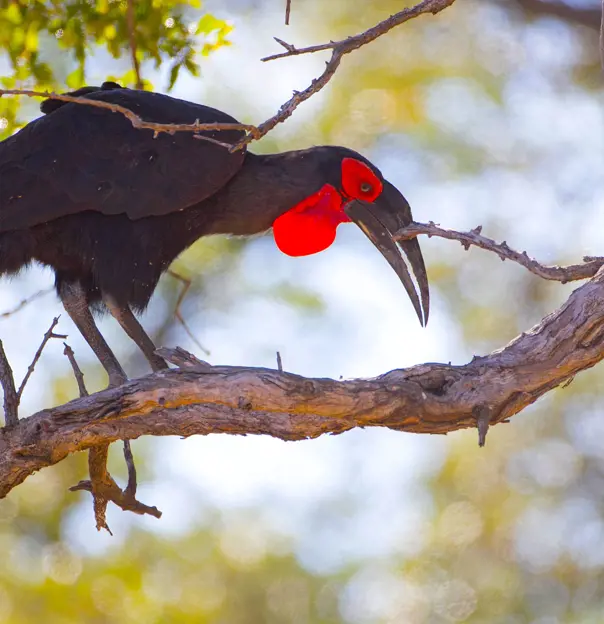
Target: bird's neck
<point>265,187</point>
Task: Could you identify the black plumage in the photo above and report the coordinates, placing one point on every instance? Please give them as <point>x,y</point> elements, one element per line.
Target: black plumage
<point>109,207</point>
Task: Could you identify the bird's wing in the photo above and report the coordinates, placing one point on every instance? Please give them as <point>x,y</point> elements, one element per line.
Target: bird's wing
<point>80,158</point>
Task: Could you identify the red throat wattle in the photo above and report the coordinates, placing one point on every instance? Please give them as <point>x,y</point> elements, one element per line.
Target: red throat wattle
<point>310,227</point>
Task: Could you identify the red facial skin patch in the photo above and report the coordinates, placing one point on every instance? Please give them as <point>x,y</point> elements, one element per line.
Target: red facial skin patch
<point>359,182</point>
<point>310,227</point>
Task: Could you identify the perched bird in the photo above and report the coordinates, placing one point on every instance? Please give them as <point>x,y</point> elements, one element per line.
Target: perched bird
<point>109,206</point>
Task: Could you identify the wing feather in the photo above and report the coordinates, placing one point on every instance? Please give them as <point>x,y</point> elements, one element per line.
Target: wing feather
<point>80,158</point>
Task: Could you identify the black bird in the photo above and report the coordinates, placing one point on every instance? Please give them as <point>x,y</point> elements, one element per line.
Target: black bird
<point>109,207</point>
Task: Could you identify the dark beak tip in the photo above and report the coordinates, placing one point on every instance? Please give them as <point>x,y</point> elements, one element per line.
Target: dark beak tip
<point>381,237</point>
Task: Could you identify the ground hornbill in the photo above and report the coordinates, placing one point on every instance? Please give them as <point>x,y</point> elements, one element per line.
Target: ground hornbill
<point>109,207</point>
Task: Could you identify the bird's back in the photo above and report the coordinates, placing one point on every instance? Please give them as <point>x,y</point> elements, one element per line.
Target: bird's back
<point>80,158</point>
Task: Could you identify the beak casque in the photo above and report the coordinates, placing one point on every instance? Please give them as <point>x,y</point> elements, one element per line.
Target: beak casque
<point>379,221</point>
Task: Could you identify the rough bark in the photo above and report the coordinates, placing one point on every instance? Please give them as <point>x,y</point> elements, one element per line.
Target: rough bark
<point>429,398</point>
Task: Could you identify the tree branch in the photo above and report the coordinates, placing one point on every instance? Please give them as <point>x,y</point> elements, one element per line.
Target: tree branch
<point>253,133</point>
<point>26,301</point>
<point>135,120</point>
<point>12,397</point>
<point>30,369</point>
<point>571,13</point>
<point>11,400</point>
<point>101,484</point>
<point>474,237</point>
<point>339,49</point>
<point>354,42</point>
<point>132,41</point>
<point>288,8</point>
<point>429,398</point>
<point>602,36</point>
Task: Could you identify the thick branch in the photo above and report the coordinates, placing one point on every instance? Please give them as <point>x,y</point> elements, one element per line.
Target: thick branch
<point>430,398</point>
<point>474,237</point>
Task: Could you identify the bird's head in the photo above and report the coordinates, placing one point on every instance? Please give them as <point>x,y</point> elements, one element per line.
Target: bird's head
<point>350,188</point>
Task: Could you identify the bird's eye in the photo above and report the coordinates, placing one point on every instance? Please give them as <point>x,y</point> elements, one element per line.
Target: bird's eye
<point>366,187</point>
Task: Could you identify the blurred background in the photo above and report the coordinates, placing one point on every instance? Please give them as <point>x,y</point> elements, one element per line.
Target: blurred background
<point>490,113</point>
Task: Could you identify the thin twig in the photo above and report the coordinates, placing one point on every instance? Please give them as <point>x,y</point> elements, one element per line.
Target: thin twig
<point>572,13</point>
<point>253,133</point>
<point>288,6</point>
<point>602,37</point>
<point>130,490</point>
<point>11,401</point>
<point>132,41</point>
<point>135,120</point>
<point>356,41</point>
<point>25,302</point>
<point>77,371</point>
<point>339,49</point>
<point>101,484</point>
<point>570,273</point>
<point>30,369</point>
<point>177,313</point>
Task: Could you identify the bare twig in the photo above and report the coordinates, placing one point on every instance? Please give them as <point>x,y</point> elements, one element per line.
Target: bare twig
<point>77,371</point>
<point>602,36</point>
<point>104,489</point>
<point>12,397</point>
<point>252,133</point>
<point>177,313</point>
<point>25,302</point>
<point>132,39</point>
<point>339,49</point>
<point>570,12</point>
<point>565,274</point>
<point>344,46</point>
<point>101,484</point>
<point>11,400</point>
<point>288,7</point>
<point>130,490</point>
<point>135,120</point>
<point>30,369</point>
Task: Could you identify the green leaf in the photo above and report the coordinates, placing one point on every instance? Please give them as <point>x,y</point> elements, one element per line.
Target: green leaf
<point>76,78</point>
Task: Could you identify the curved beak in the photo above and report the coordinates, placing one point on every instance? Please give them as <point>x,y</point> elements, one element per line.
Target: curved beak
<point>379,221</point>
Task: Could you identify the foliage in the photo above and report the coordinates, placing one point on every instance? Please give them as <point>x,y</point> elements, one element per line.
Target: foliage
<point>50,44</point>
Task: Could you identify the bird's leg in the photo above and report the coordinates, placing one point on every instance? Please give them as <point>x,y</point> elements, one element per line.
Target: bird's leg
<point>124,316</point>
<point>74,301</point>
